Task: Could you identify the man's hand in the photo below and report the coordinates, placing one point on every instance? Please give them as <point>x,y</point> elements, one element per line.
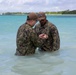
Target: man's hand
<point>43,36</point>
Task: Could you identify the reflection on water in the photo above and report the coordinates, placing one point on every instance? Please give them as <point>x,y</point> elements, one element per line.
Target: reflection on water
<point>38,64</point>
<point>56,63</point>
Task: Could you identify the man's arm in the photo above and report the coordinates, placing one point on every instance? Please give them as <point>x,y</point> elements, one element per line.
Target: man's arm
<point>38,40</point>
<point>21,37</point>
<point>56,39</point>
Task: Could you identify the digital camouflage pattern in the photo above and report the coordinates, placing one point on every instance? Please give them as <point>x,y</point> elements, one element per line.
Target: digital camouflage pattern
<point>27,40</point>
<point>53,41</point>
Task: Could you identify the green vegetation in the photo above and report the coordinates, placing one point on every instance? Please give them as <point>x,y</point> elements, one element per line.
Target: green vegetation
<point>14,13</point>
<point>63,12</point>
<point>57,13</point>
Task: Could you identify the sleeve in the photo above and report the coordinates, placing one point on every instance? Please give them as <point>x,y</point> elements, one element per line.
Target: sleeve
<point>55,34</point>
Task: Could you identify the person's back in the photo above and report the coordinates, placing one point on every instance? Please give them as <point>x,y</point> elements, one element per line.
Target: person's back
<point>24,45</point>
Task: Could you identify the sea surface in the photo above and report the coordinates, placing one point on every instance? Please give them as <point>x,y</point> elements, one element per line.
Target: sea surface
<point>61,62</point>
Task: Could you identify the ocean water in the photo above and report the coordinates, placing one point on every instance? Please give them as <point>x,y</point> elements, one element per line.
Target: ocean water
<point>61,62</point>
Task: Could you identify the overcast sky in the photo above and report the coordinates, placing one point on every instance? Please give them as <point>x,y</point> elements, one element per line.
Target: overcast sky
<point>36,5</point>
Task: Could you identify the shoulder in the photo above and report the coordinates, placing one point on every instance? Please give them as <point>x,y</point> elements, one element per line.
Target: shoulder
<point>22,26</point>
<point>51,25</point>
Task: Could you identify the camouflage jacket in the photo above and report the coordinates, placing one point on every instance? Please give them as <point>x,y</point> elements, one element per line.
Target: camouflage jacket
<point>26,40</point>
<point>53,42</point>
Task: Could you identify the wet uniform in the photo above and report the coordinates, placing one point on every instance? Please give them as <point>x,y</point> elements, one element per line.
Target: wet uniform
<point>53,41</point>
<point>26,40</point>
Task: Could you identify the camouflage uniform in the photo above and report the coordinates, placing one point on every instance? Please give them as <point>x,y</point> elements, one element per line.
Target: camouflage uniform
<point>26,41</point>
<point>53,41</point>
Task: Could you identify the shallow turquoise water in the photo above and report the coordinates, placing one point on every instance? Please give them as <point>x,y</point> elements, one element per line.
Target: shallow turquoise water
<point>60,62</point>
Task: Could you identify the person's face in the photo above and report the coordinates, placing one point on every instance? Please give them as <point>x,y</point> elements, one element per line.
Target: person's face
<point>42,21</point>
<point>34,22</point>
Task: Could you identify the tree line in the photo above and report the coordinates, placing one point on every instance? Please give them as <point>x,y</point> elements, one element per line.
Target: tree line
<point>24,13</point>
<point>63,12</point>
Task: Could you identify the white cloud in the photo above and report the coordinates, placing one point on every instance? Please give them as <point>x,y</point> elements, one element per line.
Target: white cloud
<point>36,5</point>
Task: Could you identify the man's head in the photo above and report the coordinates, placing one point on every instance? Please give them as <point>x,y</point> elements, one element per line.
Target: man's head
<point>32,18</point>
<point>41,15</point>
<point>42,18</point>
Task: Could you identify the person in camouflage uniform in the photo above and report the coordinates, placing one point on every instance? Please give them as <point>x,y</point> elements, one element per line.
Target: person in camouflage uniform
<point>44,26</point>
<point>27,40</point>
